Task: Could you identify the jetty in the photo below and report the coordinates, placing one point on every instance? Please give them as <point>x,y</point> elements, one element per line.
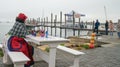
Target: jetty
<point>64,22</point>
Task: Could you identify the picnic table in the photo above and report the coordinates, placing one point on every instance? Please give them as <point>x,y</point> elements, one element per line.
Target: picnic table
<point>52,42</point>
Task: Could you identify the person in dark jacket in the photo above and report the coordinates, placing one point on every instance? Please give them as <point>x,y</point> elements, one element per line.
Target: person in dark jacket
<point>97,24</point>
<point>16,41</point>
<point>106,27</point>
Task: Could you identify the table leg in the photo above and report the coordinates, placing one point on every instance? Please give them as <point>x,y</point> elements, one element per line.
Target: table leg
<point>52,57</point>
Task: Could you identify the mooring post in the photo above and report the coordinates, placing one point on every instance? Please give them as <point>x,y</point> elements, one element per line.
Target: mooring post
<point>44,23</point>
<point>93,26</point>
<point>73,23</point>
<point>47,22</point>
<point>79,28</point>
<point>51,22</point>
<point>65,26</point>
<point>60,24</point>
<point>55,23</point>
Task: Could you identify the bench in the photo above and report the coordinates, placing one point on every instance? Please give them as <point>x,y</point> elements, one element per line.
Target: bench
<point>17,58</point>
<point>73,52</point>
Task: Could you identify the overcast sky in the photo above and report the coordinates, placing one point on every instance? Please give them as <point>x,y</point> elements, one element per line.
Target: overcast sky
<point>94,9</point>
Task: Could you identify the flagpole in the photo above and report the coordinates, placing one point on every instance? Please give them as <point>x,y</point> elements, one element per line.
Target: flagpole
<point>105,12</point>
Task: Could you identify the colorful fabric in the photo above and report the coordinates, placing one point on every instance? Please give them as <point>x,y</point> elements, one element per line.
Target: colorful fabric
<point>20,45</point>
<point>111,27</point>
<point>19,29</point>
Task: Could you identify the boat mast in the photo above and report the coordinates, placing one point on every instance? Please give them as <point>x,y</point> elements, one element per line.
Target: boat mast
<point>105,12</point>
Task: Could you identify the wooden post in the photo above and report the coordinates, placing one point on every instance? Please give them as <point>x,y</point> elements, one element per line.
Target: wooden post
<point>47,22</point>
<point>93,26</point>
<point>60,24</point>
<point>73,23</point>
<point>55,23</point>
<point>34,23</point>
<point>65,26</point>
<point>39,20</point>
<point>51,22</point>
<point>44,24</point>
<point>79,28</point>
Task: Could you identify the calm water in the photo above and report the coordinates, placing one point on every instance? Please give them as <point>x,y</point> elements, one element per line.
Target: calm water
<point>4,28</point>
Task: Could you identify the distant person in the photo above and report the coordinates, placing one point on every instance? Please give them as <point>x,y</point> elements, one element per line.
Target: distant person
<point>15,40</point>
<point>97,24</point>
<point>118,28</point>
<point>106,27</point>
<point>85,25</point>
<point>111,27</point>
<point>81,25</point>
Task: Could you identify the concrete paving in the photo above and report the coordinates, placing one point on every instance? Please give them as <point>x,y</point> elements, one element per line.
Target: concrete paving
<point>106,56</point>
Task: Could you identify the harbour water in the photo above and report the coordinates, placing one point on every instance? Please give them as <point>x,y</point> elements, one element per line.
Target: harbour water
<point>4,28</point>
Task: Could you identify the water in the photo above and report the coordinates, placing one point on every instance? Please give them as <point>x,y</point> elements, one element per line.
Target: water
<point>4,28</point>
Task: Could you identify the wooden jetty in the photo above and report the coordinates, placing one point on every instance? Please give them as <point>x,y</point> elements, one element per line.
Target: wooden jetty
<point>55,23</point>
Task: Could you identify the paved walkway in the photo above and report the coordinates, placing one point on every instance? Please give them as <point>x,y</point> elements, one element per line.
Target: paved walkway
<point>107,56</point>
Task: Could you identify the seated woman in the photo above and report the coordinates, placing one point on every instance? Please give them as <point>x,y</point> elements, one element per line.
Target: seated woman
<point>16,40</point>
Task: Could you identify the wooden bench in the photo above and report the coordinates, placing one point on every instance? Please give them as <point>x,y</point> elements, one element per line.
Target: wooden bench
<point>73,52</point>
<point>17,58</point>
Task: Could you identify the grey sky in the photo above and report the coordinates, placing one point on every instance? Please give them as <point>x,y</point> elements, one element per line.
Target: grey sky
<point>94,9</point>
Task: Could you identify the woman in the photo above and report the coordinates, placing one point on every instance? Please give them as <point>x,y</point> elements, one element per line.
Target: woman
<point>16,40</point>
<point>111,27</point>
<point>118,28</point>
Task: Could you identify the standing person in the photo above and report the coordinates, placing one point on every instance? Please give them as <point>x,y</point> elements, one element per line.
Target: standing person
<point>106,27</point>
<point>111,27</point>
<point>85,25</point>
<point>15,40</point>
<point>118,28</point>
<point>81,25</point>
<point>97,24</point>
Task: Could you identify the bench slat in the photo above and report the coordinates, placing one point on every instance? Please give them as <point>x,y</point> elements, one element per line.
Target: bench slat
<point>72,51</point>
<point>18,57</point>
